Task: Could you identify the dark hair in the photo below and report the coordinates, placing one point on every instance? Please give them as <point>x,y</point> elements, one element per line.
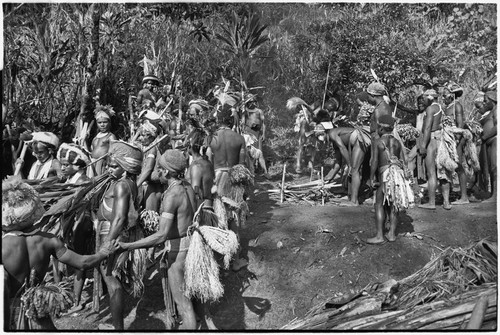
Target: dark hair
<point>196,139</point>
<point>363,96</point>
<point>225,116</point>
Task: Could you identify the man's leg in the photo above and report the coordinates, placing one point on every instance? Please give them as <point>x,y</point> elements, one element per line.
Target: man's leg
<point>445,189</point>
<point>357,164</point>
<point>115,291</point>
<point>492,167</point>
<point>430,166</point>
<point>462,178</point>
<point>379,218</point>
<point>393,215</point>
<point>176,282</point>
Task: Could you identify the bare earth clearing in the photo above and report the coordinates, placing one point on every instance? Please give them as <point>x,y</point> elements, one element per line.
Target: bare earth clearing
<point>300,255</point>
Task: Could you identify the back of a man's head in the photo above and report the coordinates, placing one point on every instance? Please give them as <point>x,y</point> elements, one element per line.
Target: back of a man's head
<point>225,117</point>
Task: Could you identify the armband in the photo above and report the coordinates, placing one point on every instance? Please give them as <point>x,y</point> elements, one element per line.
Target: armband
<point>167,215</point>
<point>61,251</point>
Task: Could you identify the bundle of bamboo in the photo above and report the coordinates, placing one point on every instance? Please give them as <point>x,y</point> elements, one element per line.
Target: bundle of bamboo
<point>442,295</point>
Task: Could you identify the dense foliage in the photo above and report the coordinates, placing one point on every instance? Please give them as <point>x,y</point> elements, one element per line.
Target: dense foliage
<point>56,54</point>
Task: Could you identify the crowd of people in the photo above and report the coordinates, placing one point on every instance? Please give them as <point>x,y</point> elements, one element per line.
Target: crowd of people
<point>444,144</point>
<point>175,165</point>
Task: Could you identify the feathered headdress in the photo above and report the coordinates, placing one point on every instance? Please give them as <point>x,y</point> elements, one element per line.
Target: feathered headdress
<point>104,112</point>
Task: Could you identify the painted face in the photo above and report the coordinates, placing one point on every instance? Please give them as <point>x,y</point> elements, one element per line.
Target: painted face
<point>41,152</point>
<point>68,169</point>
<point>115,170</point>
<point>103,125</point>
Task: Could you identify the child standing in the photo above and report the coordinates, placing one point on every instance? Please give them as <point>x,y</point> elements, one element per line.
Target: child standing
<point>100,143</point>
<point>394,193</point>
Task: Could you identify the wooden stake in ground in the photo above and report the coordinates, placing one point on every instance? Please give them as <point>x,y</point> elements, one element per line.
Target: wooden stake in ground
<point>322,188</point>
<point>283,184</point>
<point>97,291</point>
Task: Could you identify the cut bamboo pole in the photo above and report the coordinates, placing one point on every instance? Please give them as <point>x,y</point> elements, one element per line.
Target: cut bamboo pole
<point>12,147</point>
<point>283,184</point>
<point>476,319</point>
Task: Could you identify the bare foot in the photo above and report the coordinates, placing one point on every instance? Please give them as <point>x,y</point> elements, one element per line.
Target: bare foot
<point>376,240</point>
<point>447,206</point>
<point>390,237</point>
<point>460,202</point>
<point>427,206</point>
<point>348,204</point>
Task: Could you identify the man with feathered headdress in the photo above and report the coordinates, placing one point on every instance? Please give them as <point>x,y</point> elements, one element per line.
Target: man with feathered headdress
<point>100,143</point>
<point>26,253</point>
<point>146,97</point>
<point>117,216</point>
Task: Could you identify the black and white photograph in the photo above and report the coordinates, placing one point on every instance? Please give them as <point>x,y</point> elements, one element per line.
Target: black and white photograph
<point>249,166</point>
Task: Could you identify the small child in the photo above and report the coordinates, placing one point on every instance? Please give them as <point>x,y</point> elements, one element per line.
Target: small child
<point>100,143</point>
<point>74,160</point>
<point>394,193</point>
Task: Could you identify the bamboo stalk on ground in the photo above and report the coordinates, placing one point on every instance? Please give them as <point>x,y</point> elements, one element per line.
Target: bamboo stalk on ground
<point>478,313</point>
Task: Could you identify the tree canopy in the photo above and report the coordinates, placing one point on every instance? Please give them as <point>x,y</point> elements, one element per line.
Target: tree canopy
<point>56,54</point>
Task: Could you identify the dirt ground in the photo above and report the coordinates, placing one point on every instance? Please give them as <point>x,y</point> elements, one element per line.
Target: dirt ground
<point>300,255</point>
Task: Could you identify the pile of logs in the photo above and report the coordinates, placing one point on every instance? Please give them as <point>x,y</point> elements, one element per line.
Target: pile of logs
<point>311,192</point>
<point>379,307</point>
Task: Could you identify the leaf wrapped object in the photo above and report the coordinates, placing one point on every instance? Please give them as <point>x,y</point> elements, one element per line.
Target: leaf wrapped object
<point>21,205</point>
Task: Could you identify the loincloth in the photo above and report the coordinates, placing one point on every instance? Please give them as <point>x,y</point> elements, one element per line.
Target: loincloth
<point>223,181</point>
<point>178,244</point>
<point>360,135</point>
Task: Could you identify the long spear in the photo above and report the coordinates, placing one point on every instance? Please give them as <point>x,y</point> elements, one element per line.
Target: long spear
<point>326,86</point>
